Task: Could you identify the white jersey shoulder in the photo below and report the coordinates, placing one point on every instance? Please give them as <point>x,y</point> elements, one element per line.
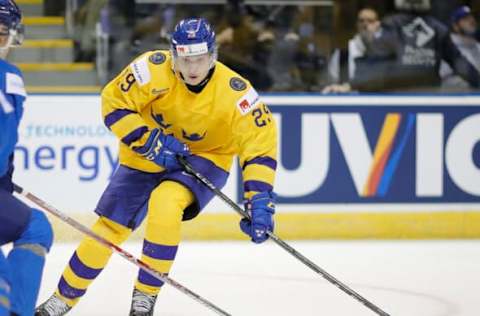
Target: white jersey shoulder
<point>14,84</point>
<point>5,105</point>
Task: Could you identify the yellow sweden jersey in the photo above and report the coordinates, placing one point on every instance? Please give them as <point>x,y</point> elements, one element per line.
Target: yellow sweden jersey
<point>225,119</point>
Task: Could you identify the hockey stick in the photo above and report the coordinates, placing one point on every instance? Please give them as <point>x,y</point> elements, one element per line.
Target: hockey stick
<point>139,263</point>
<point>189,168</point>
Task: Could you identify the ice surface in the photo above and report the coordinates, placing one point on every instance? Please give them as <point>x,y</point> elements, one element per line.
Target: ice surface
<point>408,278</point>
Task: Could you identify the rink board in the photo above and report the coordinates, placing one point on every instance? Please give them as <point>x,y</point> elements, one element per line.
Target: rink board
<point>349,167</point>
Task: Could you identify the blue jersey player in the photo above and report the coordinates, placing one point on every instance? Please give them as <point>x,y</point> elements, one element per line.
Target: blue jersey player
<point>28,229</point>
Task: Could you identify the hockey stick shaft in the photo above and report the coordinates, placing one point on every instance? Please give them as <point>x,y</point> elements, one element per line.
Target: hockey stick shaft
<point>139,263</point>
<point>189,168</point>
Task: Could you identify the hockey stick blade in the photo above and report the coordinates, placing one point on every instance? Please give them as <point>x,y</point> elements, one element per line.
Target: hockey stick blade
<point>126,255</point>
<point>189,168</point>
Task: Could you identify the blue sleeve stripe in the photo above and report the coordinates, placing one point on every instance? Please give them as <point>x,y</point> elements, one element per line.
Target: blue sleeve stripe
<point>157,251</point>
<point>264,161</point>
<point>257,186</point>
<point>135,135</point>
<point>116,116</point>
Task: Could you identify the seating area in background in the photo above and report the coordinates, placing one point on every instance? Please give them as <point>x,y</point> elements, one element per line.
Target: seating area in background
<point>46,57</point>
<point>287,46</point>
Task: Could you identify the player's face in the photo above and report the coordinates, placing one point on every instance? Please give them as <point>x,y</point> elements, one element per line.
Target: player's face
<point>193,68</point>
<point>366,20</point>
<point>4,41</point>
<point>468,24</point>
<point>4,35</point>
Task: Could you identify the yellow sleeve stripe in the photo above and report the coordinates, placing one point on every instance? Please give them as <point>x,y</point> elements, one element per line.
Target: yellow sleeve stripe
<point>259,172</point>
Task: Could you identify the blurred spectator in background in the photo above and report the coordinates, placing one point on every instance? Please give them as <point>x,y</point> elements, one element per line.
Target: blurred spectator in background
<point>442,9</point>
<point>245,48</point>
<point>410,49</point>
<point>152,29</point>
<point>342,65</point>
<point>86,19</point>
<point>54,7</point>
<point>296,62</point>
<point>136,28</point>
<point>276,47</point>
<point>309,60</point>
<point>282,64</point>
<point>120,23</point>
<point>464,28</point>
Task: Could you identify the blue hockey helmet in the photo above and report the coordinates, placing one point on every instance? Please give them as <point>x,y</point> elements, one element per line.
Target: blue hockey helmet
<point>11,16</point>
<point>192,37</point>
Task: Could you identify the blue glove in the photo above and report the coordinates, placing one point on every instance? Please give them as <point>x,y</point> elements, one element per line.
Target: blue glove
<point>163,150</point>
<point>261,208</point>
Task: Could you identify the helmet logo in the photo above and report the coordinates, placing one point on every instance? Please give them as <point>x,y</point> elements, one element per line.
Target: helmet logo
<point>192,49</point>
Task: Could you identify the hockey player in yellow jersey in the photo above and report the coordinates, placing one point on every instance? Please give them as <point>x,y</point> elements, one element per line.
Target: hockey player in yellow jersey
<point>166,104</point>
